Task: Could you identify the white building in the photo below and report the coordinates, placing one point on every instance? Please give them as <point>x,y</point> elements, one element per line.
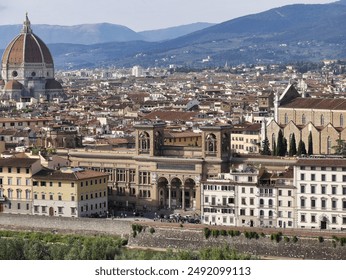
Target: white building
<point>321,193</point>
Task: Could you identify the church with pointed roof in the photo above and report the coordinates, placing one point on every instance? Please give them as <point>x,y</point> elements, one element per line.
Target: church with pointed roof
<point>322,119</point>
<point>27,69</point>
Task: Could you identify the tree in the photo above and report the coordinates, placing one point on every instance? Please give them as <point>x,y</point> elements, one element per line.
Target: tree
<point>301,148</point>
<point>293,146</point>
<point>310,145</point>
<point>265,147</point>
<point>340,147</point>
<point>285,146</point>
<point>280,147</point>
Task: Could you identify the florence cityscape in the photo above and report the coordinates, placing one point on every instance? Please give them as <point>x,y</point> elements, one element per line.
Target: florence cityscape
<point>201,141</point>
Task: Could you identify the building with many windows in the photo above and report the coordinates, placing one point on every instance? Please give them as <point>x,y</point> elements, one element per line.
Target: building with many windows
<point>249,196</point>
<point>16,184</point>
<point>156,174</point>
<point>70,192</point>
<point>321,193</point>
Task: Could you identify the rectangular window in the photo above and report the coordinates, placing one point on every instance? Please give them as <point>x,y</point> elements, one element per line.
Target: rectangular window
<point>313,189</point>
<point>302,218</point>
<point>313,177</point>
<point>120,175</point>
<point>302,176</point>
<point>333,189</point>
<point>302,202</point>
<point>18,169</point>
<point>132,175</point>
<point>333,177</point>
<point>313,203</point>
<point>242,212</point>
<point>323,203</point>
<point>51,197</point>
<point>51,184</point>
<point>59,184</point>
<point>334,204</point>
<point>19,181</point>
<point>144,177</point>
<point>60,210</point>
<point>313,218</point>
<point>323,189</point>
<point>323,177</point>
<point>302,188</point>
<point>59,197</point>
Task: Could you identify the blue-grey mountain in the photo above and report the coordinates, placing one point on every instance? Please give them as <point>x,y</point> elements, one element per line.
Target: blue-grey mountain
<point>286,34</point>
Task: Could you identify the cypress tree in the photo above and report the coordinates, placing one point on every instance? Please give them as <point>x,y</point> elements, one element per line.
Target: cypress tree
<point>310,145</point>
<point>280,147</point>
<point>274,152</point>
<point>293,146</point>
<point>285,146</point>
<point>265,147</point>
<point>301,148</point>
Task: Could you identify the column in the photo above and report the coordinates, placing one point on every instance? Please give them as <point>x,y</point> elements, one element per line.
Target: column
<point>183,198</point>
<point>169,195</point>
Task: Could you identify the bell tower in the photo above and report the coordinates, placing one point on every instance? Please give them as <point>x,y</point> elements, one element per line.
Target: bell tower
<point>216,141</point>
<point>149,138</point>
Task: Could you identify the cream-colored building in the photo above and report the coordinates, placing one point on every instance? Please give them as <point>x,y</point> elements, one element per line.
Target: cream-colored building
<point>16,184</point>
<point>70,192</point>
<point>324,118</point>
<point>155,174</point>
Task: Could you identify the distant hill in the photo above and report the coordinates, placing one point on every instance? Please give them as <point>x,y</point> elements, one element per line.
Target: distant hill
<point>78,34</point>
<point>285,34</point>
<point>173,32</point>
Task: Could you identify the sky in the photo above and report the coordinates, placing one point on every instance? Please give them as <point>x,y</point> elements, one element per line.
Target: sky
<point>138,15</point>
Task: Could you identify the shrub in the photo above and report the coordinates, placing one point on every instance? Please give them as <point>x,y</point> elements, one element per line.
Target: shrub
<point>320,239</point>
<point>223,232</point>
<point>287,239</point>
<point>152,230</point>
<point>295,239</point>
<point>215,232</point>
<point>207,233</point>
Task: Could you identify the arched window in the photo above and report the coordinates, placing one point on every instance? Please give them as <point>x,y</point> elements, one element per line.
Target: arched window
<point>270,214</point>
<point>286,118</point>
<point>262,213</point>
<point>341,120</point>
<point>261,202</point>
<point>211,143</point>
<point>329,145</point>
<point>303,119</point>
<point>144,142</point>
<point>273,142</point>
<point>322,120</point>
<point>270,202</point>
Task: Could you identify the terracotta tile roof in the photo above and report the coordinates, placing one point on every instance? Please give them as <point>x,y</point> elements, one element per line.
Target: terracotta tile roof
<point>326,162</point>
<point>48,174</point>
<point>316,103</point>
<point>17,162</point>
<point>171,115</point>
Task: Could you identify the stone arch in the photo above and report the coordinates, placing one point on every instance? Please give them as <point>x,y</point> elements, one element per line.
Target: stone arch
<point>162,185</point>
<point>210,143</point>
<point>189,193</point>
<point>144,142</point>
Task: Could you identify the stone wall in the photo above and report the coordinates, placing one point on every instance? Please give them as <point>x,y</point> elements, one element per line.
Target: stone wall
<point>188,237</point>
<point>63,225</point>
<point>185,239</point>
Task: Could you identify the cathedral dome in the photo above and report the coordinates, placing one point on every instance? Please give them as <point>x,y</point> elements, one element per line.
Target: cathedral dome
<point>53,84</point>
<point>27,48</point>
